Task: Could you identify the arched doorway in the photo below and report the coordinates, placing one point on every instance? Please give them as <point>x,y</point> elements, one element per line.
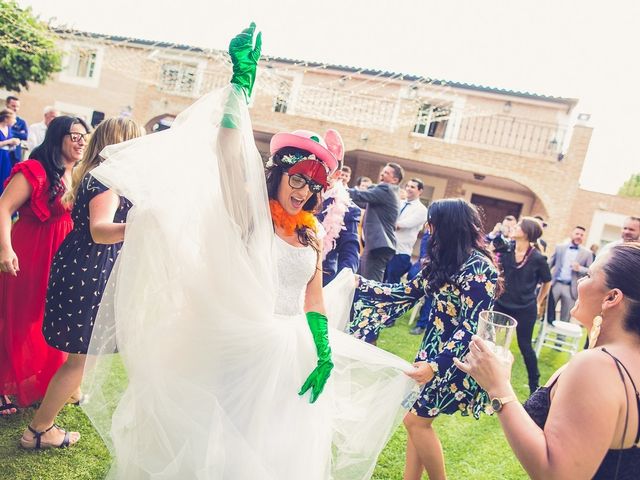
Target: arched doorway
<point>159,123</point>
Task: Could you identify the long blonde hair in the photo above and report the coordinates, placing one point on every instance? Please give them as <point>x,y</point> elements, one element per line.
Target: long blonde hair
<point>109,132</point>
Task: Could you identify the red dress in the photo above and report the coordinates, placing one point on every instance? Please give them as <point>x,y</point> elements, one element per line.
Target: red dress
<point>27,362</point>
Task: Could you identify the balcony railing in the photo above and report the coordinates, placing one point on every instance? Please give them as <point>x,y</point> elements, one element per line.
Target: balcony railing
<point>512,133</point>
<point>400,115</point>
<point>341,106</point>
<point>392,114</point>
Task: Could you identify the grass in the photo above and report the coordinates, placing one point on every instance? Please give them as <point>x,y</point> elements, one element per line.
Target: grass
<point>473,449</point>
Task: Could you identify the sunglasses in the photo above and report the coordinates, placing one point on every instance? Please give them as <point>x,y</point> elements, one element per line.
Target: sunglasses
<point>76,136</point>
<point>298,181</point>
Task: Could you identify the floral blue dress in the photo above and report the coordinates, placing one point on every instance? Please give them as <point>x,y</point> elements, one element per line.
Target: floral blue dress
<point>453,319</point>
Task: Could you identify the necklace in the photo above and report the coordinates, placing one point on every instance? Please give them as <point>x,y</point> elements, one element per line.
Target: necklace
<point>290,223</point>
<point>524,260</point>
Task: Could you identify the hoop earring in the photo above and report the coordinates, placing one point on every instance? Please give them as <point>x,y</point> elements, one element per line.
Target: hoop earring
<point>595,331</point>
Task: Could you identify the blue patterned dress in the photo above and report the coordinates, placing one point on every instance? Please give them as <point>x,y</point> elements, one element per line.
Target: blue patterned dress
<point>79,274</point>
<point>453,319</point>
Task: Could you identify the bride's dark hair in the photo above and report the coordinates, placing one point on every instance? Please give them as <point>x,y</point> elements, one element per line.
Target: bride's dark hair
<point>273,172</point>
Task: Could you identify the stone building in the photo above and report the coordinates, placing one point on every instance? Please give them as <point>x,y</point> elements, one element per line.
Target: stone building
<point>508,152</point>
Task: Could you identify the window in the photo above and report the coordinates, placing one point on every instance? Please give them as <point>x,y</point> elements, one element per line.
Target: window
<point>82,65</point>
<point>432,120</point>
<point>82,62</point>
<point>281,100</point>
<point>177,77</point>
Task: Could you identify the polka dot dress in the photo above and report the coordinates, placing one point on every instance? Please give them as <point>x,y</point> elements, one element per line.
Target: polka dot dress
<point>79,274</point>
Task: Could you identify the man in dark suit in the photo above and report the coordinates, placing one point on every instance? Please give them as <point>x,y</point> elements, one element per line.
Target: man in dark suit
<point>379,229</point>
<point>344,249</point>
<point>569,262</point>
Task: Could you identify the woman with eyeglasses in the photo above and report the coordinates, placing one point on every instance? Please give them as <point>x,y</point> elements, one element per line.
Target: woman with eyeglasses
<point>35,190</point>
<point>219,314</point>
<point>79,274</point>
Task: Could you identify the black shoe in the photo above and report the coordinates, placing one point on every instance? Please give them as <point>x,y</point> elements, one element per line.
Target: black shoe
<point>417,331</point>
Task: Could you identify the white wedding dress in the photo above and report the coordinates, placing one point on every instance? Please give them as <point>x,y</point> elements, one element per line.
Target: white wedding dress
<point>205,305</point>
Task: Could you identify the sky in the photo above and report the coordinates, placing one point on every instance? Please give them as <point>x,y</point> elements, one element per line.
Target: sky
<point>583,49</point>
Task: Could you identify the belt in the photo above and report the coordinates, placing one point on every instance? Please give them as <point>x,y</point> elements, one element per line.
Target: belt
<point>564,282</point>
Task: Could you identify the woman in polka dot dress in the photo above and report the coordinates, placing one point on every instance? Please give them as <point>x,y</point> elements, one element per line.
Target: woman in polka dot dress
<point>79,274</point>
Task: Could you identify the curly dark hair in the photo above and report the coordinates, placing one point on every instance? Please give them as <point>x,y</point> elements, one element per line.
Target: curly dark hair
<point>456,231</point>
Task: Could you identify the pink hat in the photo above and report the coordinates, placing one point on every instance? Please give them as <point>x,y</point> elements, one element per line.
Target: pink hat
<point>329,150</point>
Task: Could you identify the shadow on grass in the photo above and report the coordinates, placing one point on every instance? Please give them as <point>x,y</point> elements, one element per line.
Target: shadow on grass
<point>473,449</point>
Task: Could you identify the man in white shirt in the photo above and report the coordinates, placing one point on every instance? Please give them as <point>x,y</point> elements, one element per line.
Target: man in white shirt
<point>412,216</point>
<point>630,233</point>
<point>37,131</point>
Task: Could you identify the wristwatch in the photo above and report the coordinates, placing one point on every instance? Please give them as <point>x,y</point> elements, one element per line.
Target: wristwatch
<point>497,403</point>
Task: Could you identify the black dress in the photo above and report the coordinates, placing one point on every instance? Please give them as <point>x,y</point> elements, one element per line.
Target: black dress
<point>519,299</point>
<point>79,274</point>
<point>617,464</point>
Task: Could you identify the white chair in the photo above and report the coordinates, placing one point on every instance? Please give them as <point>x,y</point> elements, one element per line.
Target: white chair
<point>559,336</point>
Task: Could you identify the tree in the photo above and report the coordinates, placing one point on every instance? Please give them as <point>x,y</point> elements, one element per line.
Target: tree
<point>28,51</point>
<point>631,188</point>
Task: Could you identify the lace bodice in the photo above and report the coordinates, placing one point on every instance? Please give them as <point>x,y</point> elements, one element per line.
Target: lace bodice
<point>296,266</point>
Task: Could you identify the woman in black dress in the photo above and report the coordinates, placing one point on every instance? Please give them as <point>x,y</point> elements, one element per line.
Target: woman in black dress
<point>585,423</point>
<point>79,274</point>
<point>524,268</point>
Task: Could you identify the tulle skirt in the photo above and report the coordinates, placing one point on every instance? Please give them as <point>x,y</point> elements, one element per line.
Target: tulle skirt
<point>211,374</point>
<point>194,408</point>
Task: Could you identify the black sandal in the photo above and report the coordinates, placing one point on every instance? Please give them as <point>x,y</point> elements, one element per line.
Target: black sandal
<point>5,406</point>
<point>36,442</point>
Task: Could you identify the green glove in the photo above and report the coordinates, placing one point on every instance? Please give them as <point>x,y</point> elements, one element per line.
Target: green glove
<point>245,59</point>
<point>318,325</point>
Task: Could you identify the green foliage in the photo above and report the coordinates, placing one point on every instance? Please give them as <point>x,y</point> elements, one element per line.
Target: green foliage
<point>28,52</point>
<point>631,188</point>
<point>473,448</point>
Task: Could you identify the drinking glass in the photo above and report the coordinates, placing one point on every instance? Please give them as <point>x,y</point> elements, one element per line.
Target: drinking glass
<point>497,330</point>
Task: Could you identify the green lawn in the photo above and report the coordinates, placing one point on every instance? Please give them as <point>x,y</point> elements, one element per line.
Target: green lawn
<point>473,449</point>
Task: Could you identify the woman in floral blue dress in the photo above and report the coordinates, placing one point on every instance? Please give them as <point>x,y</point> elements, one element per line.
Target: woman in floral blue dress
<point>461,278</point>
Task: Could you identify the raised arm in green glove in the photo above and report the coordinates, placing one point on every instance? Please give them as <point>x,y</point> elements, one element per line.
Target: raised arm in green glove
<point>245,58</point>
<point>245,63</point>
<point>318,378</point>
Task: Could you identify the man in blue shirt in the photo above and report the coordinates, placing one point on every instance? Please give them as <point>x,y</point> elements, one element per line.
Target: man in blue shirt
<point>19,129</point>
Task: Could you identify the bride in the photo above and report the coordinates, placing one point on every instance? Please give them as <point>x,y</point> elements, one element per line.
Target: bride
<point>216,310</point>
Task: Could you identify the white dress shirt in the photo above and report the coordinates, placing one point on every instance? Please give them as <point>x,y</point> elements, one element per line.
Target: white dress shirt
<point>37,131</point>
<point>412,217</point>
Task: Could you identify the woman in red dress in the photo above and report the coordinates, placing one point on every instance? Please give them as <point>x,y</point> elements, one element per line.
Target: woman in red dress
<point>34,189</point>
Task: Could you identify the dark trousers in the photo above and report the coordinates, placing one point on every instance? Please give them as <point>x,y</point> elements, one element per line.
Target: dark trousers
<point>526,318</point>
<point>374,262</point>
<point>424,313</point>
<point>398,265</point>
<point>345,255</point>
<point>551,308</point>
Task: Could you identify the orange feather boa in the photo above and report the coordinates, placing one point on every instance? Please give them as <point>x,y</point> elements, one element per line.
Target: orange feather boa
<point>291,223</point>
